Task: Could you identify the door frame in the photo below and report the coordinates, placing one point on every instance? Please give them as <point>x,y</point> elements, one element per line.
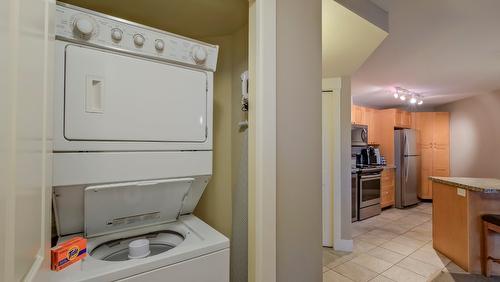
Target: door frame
<point>337,206</point>
<point>262,142</point>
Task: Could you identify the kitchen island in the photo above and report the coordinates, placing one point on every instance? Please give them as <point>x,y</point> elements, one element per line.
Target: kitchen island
<point>458,204</point>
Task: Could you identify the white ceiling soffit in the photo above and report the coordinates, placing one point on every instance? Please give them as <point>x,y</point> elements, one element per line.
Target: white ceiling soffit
<point>368,10</point>
<point>348,39</point>
<point>193,18</point>
<point>447,50</point>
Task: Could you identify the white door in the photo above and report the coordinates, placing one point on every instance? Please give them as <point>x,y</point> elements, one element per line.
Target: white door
<point>114,97</point>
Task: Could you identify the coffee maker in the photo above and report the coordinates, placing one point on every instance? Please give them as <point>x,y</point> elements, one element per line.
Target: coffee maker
<point>370,156</point>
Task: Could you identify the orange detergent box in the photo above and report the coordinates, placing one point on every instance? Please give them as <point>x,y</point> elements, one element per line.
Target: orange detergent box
<point>68,253</point>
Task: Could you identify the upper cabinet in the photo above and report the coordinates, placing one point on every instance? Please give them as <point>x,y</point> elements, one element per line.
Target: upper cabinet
<point>402,119</point>
<point>358,115</point>
<point>386,121</point>
<point>435,148</point>
<point>371,122</point>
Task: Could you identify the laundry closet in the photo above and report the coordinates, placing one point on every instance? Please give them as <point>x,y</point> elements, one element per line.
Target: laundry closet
<point>150,154</point>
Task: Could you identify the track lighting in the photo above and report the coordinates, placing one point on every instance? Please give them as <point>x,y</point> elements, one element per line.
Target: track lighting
<point>403,94</point>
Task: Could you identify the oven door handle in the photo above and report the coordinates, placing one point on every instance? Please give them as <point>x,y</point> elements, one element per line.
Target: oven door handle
<point>373,176</point>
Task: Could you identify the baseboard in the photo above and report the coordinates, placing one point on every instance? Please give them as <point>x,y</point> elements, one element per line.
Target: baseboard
<point>343,245</point>
<point>35,267</point>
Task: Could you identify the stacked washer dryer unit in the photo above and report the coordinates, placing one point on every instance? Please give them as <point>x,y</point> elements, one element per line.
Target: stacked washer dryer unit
<point>133,150</point>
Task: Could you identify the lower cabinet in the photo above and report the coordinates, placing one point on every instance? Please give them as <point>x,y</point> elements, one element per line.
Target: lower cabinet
<point>387,188</point>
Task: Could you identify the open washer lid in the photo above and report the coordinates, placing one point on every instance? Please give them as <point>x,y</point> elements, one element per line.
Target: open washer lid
<point>120,206</point>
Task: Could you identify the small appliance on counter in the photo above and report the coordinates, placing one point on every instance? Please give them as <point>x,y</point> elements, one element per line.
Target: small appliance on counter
<point>383,161</point>
<point>378,157</point>
<point>370,156</point>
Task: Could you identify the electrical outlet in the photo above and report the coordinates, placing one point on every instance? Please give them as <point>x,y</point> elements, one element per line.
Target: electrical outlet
<point>461,192</point>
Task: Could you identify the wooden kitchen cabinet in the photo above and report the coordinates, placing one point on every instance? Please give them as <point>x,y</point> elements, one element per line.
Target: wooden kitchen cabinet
<point>399,118</point>
<point>435,148</point>
<point>407,119</point>
<point>386,121</point>
<point>402,119</point>
<point>441,152</point>
<point>387,188</point>
<point>457,226</point>
<point>353,114</point>
<point>358,115</point>
<point>385,128</point>
<point>371,122</point>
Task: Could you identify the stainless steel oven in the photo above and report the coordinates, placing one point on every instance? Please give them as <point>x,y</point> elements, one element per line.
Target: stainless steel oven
<point>369,192</point>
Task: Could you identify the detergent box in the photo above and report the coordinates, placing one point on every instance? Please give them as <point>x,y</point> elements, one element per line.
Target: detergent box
<point>68,253</point>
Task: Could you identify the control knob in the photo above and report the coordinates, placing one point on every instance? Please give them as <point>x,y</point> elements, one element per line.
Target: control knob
<point>139,40</point>
<point>116,34</point>
<point>199,54</point>
<point>83,26</point>
<point>159,45</point>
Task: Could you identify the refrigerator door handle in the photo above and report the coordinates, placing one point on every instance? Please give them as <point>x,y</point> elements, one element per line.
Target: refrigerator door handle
<point>405,160</point>
<point>407,172</point>
<point>405,152</point>
<point>407,146</point>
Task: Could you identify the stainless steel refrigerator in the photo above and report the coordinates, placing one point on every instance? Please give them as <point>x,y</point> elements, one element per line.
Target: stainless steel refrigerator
<point>407,161</point>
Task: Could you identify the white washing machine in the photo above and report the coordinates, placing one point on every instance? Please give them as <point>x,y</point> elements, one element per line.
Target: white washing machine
<point>133,150</point>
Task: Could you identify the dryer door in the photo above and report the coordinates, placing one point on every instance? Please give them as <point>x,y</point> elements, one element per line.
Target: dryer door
<point>115,97</point>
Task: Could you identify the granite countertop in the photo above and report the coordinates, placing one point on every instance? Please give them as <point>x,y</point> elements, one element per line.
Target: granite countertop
<point>490,185</point>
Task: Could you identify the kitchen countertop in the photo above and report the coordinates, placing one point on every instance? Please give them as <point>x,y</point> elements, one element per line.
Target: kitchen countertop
<point>490,185</point>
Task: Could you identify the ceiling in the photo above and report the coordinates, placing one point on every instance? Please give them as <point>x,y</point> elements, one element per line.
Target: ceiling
<point>348,39</point>
<point>193,18</point>
<point>447,50</point>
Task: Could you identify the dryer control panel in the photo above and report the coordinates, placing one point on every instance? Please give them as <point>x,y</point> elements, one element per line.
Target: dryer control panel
<point>91,28</point>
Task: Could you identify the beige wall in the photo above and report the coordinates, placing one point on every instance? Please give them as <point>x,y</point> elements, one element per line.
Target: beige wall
<point>298,140</point>
<point>239,163</point>
<point>475,136</point>
<point>25,90</point>
<point>253,240</point>
<point>215,206</point>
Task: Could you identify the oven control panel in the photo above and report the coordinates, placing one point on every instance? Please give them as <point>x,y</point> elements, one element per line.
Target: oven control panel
<point>88,27</point>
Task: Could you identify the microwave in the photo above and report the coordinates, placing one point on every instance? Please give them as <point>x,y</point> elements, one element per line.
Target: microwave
<point>359,135</point>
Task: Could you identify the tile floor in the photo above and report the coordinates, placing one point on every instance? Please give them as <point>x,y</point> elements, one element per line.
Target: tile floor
<point>394,246</point>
